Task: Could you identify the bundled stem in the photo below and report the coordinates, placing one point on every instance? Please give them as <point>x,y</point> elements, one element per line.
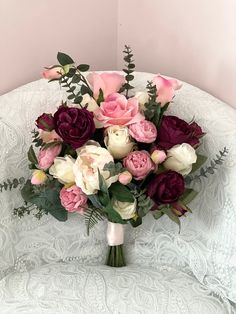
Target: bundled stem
<point>115,256</point>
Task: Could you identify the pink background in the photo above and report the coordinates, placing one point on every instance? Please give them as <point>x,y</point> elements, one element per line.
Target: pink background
<point>193,40</point>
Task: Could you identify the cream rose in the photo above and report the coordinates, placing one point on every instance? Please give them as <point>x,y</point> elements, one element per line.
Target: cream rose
<point>125,209</point>
<point>180,158</point>
<point>92,158</point>
<point>62,169</point>
<point>143,98</point>
<point>118,141</point>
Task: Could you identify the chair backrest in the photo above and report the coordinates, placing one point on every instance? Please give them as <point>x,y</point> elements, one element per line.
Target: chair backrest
<point>206,244</point>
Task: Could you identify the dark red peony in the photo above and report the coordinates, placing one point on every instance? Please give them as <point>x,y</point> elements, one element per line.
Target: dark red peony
<point>166,187</point>
<point>75,126</point>
<point>175,131</point>
<point>45,122</point>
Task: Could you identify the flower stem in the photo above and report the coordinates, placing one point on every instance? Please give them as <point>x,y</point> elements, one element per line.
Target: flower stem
<point>115,256</point>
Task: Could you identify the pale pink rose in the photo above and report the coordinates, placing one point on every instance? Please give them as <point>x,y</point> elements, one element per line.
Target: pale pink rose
<point>158,156</point>
<point>48,137</point>
<point>46,156</point>
<point>165,88</point>
<point>143,131</point>
<point>117,110</point>
<point>125,177</point>
<point>139,164</point>
<point>38,177</point>
<point>108,82</point>
<point>53,73</point>
<point>73,199</point>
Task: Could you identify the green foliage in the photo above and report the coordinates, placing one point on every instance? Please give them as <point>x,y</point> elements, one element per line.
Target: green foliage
<point>168,211</point>
<point>92,216</point>
<point>128,58</point>
<point>64,59</point>
<point>31,156</point>
<point>135,222</point>
<point>144,202</point>
<point>157,214</point>
<point>113,168</point>
<point>27,210</point>
<point>45,197</point>
<point>121,193</point>
<point>188,196</point>
<point>83,67</point>
<point>200,161</point>
<point>113,215</point>
<point>205,171</point>
<point>37,141</point>
<point>11,184</point>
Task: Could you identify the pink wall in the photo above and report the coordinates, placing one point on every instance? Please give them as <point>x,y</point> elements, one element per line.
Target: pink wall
<point>194,40</point>
<point>32,31</point>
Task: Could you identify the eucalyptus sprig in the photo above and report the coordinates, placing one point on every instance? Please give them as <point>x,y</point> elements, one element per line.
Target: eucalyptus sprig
<point>130,66</point>
<point>12,184</point>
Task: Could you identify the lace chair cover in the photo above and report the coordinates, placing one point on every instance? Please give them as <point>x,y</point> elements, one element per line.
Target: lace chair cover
<point>51,267</point>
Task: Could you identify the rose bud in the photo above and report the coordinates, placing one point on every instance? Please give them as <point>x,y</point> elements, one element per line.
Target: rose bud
<point>118,141</point>
<point>125,177</point>
<point>158,156</point>
<point>179,209</point>
<point>45,122</point>
<point>180,158</point>
<point>53,73</point>
<point>38,177</point>
<point>46,156</point>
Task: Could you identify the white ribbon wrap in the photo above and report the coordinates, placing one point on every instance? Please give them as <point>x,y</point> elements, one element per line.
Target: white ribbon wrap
<point>115,234</point>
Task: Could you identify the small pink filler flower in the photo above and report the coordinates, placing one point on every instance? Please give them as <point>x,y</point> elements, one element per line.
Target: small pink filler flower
<point>143,131</point>
<point>73,199</point>
<point>139,164</point>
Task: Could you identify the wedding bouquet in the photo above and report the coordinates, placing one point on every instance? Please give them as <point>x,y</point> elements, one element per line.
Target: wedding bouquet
<point>107,153</point>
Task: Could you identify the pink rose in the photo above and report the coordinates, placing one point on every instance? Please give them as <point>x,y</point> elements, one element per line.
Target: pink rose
<point>73,199</point>
<point>117,110</point>
<point>48,137</point>
<point>108,82</point>
<point>53,73</point>
<point>165,88</point>
<point>143,131</point>
<point>46,156</point>
<point>139,164</point>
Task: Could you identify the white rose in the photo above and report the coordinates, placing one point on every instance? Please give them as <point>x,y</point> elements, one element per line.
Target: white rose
<point>143,98</point>
<point>92,158</point>
<point>125,209</point>
<point>180,158</point>
<point>118,141</point>
<point>62,169</point>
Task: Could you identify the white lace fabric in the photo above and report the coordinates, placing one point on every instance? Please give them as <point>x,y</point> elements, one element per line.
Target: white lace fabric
<point>193,271</point>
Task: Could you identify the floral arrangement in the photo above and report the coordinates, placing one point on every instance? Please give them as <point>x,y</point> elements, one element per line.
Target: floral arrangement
<point>106,153</point>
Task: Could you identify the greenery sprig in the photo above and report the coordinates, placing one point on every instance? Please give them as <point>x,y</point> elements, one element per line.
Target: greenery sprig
<point>130,67</point>
<point>205,171</point>
<point>12,184</point>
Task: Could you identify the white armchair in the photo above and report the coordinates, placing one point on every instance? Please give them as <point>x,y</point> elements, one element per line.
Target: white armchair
<point>49,267</point>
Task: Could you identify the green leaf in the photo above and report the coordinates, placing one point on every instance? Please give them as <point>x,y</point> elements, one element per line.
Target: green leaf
<point>64,59</point>
<point>167,210</point>
<point>84,90</point>
<point>188,196</point>
<point>136,222</point>
<point>200,161</point>
<point>113,168</point>
<point>157,214</point>
<point>129,77</point>
<point>102,183</point>
<point>121,193</point>
<point>83,67</point>
<point>72,96</point>
<point>100,97</point>
<point>113,215</point>
<point>131,65</point>
<point>31,155</point>
<point>76,79</point>
<point>92,216</point>
<point>78,99</point>
<point>94,200</point>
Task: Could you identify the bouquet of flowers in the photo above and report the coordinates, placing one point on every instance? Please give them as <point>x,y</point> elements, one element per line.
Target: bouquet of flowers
<point>106,153</point>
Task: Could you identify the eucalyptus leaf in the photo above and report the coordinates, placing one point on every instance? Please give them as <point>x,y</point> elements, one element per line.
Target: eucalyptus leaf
<point>188,196</point>
<point>64,59</point>
<point>31,155</point>
<point>83,67</point>
<point>200,161</point>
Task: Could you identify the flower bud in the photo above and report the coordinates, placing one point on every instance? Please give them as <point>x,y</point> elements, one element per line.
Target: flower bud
<point>158,156</point>
<point>125,177</point>
<point>39,177</point>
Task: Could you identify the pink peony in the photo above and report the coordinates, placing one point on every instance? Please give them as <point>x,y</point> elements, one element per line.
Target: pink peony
<point>73,199</point>
<point>117,110</point>
<point>53,73</point>
<point>139,164</point>
<point>46,156</point>
<point>165,88</point>
<point>143,131</point>
<point>108,82</point>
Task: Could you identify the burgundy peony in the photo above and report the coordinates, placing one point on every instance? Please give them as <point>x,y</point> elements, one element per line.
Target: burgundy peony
<point>75,126</point>
<point>166,187</point>
<point>175,131</point>
<point>45,122</point>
